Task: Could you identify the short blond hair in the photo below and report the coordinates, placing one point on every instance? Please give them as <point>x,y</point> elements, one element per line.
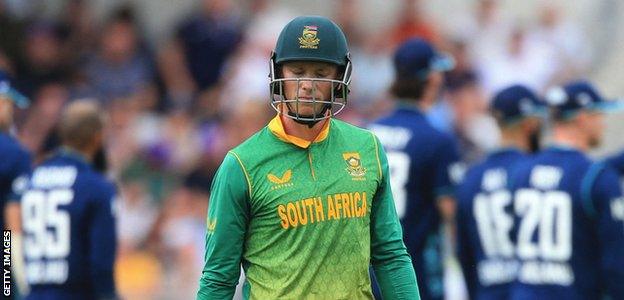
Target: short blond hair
<point>80,122</point>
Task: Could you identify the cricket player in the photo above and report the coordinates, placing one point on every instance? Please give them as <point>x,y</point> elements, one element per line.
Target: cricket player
<point>421,159</point>
<point>67,211</point>
<point>15,165</point>
<point>305,204</point>
<point>16,160</point>
<point>484,202</point>
<point>569,224</point>
<point>617,162</point>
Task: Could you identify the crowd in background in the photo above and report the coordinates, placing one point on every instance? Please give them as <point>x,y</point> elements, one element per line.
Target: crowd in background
<point>174,111</point>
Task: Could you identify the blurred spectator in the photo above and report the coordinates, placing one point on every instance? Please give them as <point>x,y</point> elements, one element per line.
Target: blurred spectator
<point>523,60</point>
<point>573,55</point>
<point>43,60</point>
<point>124,136</point>
<point>121,68</point>
<point>183,235</point>
<point>468,106</point>
<point>463,111</point>
<point>10,47</point>
<point>488,29</point>
<point>244,121</point>
<point>196,58</point>
<point>412,22</point>
<point>179,136</point>
<point>246,75</point>
<point>370,54</point>
<point>42,117</point>
<point>79,30</point>
<point>459,50</point>
<point>370,98</point>
<point>348,13</point>
<point>136,215</point>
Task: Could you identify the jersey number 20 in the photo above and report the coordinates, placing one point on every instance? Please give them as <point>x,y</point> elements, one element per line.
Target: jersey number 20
<point>549,216</point>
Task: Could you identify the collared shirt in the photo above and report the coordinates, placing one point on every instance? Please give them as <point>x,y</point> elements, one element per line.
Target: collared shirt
<point>568,228</point>
<point>484,223</point>
<point>70,244</point>
<point>423,161</point>
<point>304,218</point>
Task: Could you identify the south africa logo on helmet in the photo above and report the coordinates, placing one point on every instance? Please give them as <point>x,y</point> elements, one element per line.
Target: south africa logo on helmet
<point>308,39</point>
<point>312,38</point>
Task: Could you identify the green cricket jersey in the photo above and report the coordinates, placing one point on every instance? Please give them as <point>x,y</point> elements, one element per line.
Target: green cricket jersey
<point>305,219</point>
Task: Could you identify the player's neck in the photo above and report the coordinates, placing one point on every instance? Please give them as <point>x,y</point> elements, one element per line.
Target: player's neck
<point>424,105</point>
<point>512,139</point>
<point>302,131</point>
<point>569,137</point>
<point>86,154</point>
<point>428,98</point>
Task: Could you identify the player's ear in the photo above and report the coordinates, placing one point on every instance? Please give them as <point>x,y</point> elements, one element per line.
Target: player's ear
<point>97,139</point>
<point>338,89</point>
<point>279,70</point>
<point>582,118</point>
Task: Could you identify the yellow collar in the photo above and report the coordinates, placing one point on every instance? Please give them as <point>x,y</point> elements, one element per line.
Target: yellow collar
<point>277,128</point>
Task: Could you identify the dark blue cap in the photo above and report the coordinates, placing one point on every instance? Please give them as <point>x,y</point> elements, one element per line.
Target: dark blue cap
<point>8,91</point>
<point>568,100</point>
<point>515,103</point>
<point>416,58</point>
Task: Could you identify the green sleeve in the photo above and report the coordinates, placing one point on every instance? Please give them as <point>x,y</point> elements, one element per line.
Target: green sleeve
<point>228,216</point>
<point>391,262</point>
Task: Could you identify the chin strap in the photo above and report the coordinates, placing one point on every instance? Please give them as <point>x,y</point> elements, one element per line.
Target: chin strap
<point>309,123</point>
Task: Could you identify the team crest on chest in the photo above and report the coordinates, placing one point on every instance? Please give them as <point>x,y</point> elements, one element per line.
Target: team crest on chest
<point>308,39</point>
<point>354,165</point>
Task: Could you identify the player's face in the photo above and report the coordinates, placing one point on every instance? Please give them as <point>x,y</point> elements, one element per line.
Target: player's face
<point>595,128</point>
<point>308,89</point>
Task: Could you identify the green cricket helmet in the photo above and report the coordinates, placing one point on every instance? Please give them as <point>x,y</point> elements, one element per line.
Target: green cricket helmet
<point>311,38</point>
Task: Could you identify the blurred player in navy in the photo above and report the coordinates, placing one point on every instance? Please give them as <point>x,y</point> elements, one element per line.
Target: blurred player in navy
<point>16,161</point>
<point>569,226</point>
<point>67,212</point>
<point>15,166</point>
<point>421,159</point>
<point>484,203</point>
<point>617,162</point>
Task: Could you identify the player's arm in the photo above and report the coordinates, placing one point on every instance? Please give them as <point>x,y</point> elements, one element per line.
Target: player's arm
<point>103,242</point>
<point>228,216</point>
<point>391,262</point>
<point>617,162</point>
<point>463,249</point>
<point>608,207</point>
<point>12,215</point>
<point>21,170</point>
<point>446,169</point>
